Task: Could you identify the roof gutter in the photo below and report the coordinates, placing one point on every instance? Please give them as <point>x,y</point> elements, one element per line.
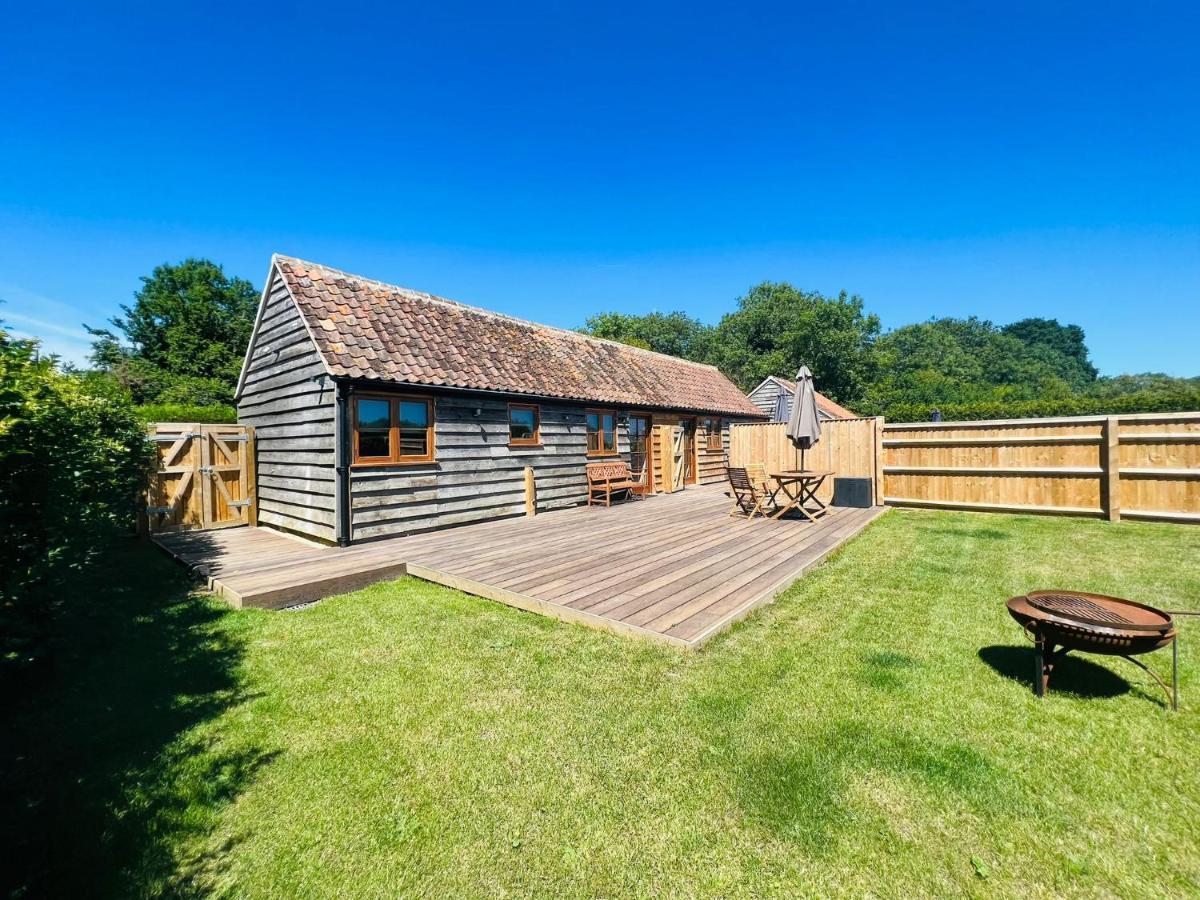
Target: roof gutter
<point>343,433</point>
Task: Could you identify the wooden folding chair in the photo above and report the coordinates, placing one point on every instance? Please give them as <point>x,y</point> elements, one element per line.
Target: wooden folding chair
<point>749,498</point>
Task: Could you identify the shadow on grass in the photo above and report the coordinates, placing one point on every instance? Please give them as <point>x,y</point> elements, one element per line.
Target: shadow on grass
<point>1072,674</point>
<point>110,780</point>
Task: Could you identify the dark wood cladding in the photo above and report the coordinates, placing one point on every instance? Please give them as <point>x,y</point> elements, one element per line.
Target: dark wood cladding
<point>293,418</point>
<point>477,472</point>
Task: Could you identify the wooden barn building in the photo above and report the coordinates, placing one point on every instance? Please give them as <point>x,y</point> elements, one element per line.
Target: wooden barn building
<point>382,411</point>
<point>766,396</point>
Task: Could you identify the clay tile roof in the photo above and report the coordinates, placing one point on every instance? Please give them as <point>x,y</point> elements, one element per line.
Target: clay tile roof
<point>829,407</point>
<point>417,338</point>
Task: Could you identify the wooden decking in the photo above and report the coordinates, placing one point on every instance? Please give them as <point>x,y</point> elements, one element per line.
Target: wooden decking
<point>673,568</point>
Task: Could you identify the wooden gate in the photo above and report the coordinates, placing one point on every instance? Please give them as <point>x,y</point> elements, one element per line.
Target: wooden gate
<point>204,477</point>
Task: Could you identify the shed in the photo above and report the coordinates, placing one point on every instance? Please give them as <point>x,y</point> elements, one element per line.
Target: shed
<point>384,411</point>
<point>764,398</point>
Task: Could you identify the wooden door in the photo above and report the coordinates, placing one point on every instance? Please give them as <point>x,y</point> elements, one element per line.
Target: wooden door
<point>641,452</point>
<point>679,458</point>
<point>204,477</point>
<point>691,463</point>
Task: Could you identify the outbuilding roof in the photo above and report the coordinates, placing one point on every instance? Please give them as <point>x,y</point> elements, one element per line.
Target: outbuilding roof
<point>366,329</point>
<point>831,408</point>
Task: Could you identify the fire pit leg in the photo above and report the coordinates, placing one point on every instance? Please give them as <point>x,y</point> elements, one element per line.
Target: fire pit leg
<point>1175,674</point>
<point>1039,669</point>
<point>1173,699</point>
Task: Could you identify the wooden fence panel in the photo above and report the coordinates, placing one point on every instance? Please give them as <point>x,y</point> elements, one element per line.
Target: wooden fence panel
<point>848,447</point>
<point>204,477</point>
<point>1137,466</point>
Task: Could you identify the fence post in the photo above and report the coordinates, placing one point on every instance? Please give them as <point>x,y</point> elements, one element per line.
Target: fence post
<point>1110,462</point>
<point>879,423</point>
<point>250,467</point>
<point>530,493</point>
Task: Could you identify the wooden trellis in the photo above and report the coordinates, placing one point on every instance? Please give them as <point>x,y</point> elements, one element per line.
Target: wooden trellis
<point>204,477</point>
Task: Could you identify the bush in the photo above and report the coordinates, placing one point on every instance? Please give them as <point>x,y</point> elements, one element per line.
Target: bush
<point>218,414</point>
<point>73,455</point>
<point>1176,400</point>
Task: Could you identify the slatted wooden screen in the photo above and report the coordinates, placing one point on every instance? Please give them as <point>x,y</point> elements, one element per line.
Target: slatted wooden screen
<point>1144,466</point>
<point>204,477</point>
<point>848,447</point>
<point>668,458</point>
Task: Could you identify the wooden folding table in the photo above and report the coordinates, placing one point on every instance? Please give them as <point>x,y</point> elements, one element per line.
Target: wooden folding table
<point>800,487</point>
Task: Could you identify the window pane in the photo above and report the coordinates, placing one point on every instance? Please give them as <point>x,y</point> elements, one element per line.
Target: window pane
<point>522,424</point>
<point>374,443</point>
<point>414,414</point>
<point>610,432</point>
<point>374,413</point>
<point>414,442</point>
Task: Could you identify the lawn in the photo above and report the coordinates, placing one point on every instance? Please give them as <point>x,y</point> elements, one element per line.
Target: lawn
<point>871,733</point>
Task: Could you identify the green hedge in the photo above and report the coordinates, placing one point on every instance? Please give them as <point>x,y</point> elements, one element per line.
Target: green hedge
<point>73,456</point>
<point>179,412</point>
<point>1183,400</point>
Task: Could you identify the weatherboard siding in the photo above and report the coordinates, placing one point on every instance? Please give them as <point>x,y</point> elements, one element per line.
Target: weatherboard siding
<point>293,419</point>
<point>764,396</point>
<point>475,475</point>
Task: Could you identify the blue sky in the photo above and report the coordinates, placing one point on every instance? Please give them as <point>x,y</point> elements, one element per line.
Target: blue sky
<point>555,160</point>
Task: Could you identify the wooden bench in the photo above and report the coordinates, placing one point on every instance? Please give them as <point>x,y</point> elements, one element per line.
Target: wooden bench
<point>606,478</point>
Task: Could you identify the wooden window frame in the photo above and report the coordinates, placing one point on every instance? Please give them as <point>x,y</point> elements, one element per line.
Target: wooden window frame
<point>714,442</point>
<point>395,459</point>
<point>536,440</point>
<point>616,431</point>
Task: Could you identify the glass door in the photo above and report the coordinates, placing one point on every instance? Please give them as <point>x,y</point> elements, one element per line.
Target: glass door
<point>639,450</point>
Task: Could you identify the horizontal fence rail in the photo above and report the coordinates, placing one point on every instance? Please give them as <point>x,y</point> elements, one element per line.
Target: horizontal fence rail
<point>1144,466</point>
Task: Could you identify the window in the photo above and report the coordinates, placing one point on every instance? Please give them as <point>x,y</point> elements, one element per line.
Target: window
<point>713,427</point>
<point>391,429</point>
<point>524,425</point>
<point>601,432</point>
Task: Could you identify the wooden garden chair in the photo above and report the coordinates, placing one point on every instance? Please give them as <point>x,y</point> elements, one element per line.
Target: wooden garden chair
<point>750,497</point>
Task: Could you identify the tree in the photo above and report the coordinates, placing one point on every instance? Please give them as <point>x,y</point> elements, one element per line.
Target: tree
<point>970,361</point>
<point>673,333</point>
<point>778,327</point>
<point>1063,347</point>
<point>185,335</point>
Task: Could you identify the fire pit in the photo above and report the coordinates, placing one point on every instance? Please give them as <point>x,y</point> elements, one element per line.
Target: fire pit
<point>1091,623</point>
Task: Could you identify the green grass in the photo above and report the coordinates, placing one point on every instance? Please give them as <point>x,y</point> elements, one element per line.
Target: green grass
<point>872,733</point>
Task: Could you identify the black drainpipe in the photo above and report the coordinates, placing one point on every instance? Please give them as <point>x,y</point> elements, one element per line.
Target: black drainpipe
<point>344,432</point>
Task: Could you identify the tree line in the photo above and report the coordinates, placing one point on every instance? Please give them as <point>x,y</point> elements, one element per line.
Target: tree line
<point>178,348</point>
<point>965,368</point>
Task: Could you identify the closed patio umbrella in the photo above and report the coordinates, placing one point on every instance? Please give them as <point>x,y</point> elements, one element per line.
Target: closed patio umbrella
<point>804,425</point>
<point>781,408</point>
